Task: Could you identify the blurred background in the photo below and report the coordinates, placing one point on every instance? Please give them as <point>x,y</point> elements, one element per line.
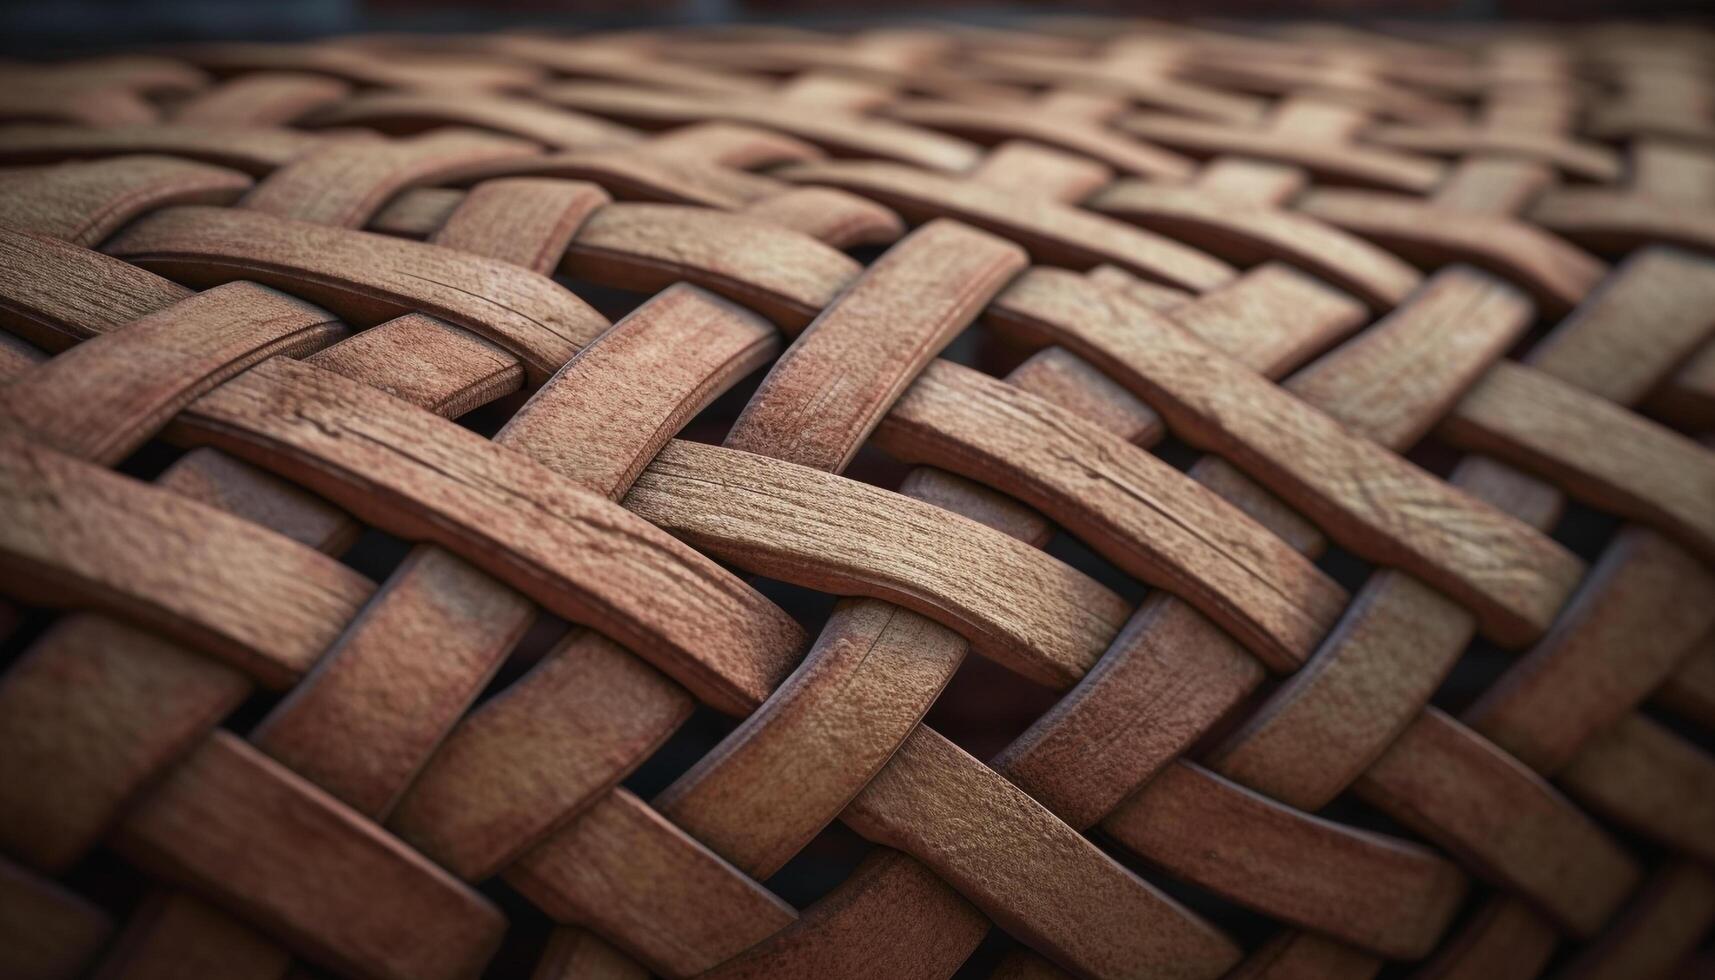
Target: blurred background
<point>31,27</point>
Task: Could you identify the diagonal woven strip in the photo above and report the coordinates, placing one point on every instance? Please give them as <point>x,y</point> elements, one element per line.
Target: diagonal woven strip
<point>523,505</point>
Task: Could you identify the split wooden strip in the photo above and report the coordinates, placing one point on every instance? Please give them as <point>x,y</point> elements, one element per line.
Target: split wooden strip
<point>62,294</point>
<point>1506,938</point>
<point>1335,162</point>
<point>831,388</point>
<point>1373,502</point>
<point>1657,932</point>
<point>525,221</point>
<point>1556,274</point>
<point>1452,786</point>
<point>367,278</point>
<point>1385,896</point>
<point>1051,231</point>
<point>402,113</point>
<point>1642,776</point>
<point>47,931</point>
<point>105,397</point>
<point>83,203</point>
<point>259,838</point>
<point>78,535</point>
<point>400,469</point>
<point>253,150</point>
<point>991,125</point>
<point>842,132</point>
<point>1593,449</point>
<point>837,535</point>
<point>1249,234</point>
<point>259,99</point>
<point>1033,875</point>
<point>1136,511</point>
<point>345,182</point>
<point>786,276</point>
<point>625,872</point>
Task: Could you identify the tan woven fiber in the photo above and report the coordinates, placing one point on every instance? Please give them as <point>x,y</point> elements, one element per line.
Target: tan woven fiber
<point>1313,424</point>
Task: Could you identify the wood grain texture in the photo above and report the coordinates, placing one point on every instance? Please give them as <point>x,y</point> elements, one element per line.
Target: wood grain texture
<point>1372,502</point>
<point>367,278</point>
<point>61,293</point>
<point>456,489</point>
<point>1642,776</point>
<point>399,113</point>
<point>248,831</point>
<point>252,150</point>
<point>1366,166</point>
<point>523,220</point>
<point>83,203</point>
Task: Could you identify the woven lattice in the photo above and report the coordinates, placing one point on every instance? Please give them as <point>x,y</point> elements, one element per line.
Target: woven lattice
<point>304,675</point>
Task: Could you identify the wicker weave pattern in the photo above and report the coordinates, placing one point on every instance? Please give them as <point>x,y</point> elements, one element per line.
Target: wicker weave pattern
<point>1411,296</point>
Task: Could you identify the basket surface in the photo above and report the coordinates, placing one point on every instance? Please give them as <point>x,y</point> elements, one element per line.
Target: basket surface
<point>509,505</point>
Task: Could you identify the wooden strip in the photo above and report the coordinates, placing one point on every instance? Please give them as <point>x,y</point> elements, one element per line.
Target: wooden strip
<point>831,388</point>
<point>1507,938</point>
<point>1374,503</point>
<point>1257,182</point>
<point>1257,233</point>
<point>523,220</point>
<point>1452,786</point>
<point>1333,162</point>
<point>105,397</point>
<point>46,932</point>
<point>1593,449</point>
<point>574,954</point>
<point>1032,874</point>
<point>1646,317</point>
<point>1690,691</point>
<point>1052,232</point>
<point>1656,932</point>
<point>1574,158</point>
<point>1556,274</point>
<point>399,469</point>
<point>402,113</point>
<point>253,150</point>
<point>81,536</point>
<point>1611,223</point>
<point>784,275</point>
<point>83,203</point>
<point>259,99</point>
<point>248,831</point>
<point>1688,397</point>
<point>1649,780</point>
<point>625,872</point>
<point>175,936</point>
<point>985,124</point>
<point>891,917</point>
<point>1130,507</point>
<point>1639,612</point>
<point>864,136</point>
<point>840,536</point>
<point>1029,168</point>
<point>62,294</point>
<point>1492,185</point>
<point>367,278</point>
<point>1382,895</point>
<point>1294,955</point>
<point>830,216</point>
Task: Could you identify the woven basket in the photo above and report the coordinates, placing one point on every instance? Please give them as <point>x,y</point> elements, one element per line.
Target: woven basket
<point>510,505</point>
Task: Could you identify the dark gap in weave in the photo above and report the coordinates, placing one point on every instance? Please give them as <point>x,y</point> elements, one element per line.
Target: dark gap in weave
<point>487,420</point>
<point>1247,928</point>
<point>1177,454</point>
<point>376,554</point>
<point>987,956</point>
<point>150,460</point>
<point>528,930</point>
<point>825,862</point>
<point>808,606</point>
<point>1689,730</point>
<point>1435,456</point>
<point>877,468</point>
<point>712,424</point>
<point>1078,555</point>
<point>259,704</point>
<point>696,738</point>
<point>108,880</point>
<point>611,302</point>
<point>1585,531</point>
<point>542,636</point>
<point>993,352</point>
<point>20,628</point>
<point>985,706</point>
<point>1477,669</point>
<point>1345,568</point>
<point>1348,810</point>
